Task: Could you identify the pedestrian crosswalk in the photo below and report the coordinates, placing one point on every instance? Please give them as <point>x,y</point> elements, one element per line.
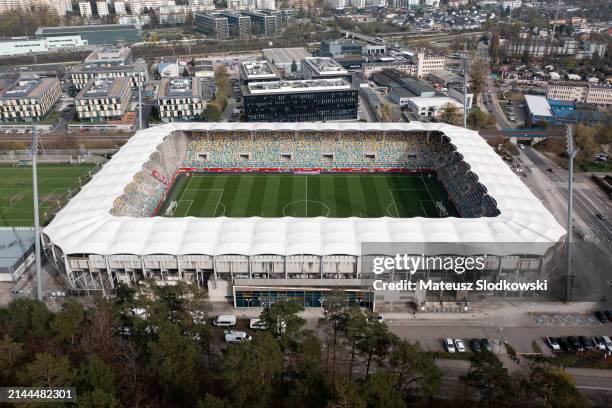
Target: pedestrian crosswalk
<point>563,184</point>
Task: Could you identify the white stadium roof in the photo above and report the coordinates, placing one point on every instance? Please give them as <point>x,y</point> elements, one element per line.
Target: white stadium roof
<point>85,225</point>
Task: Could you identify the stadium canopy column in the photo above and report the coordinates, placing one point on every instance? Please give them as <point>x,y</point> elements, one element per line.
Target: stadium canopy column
<point>108,271</point>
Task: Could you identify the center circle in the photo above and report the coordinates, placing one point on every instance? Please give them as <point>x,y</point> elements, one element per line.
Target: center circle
<point>298,208</point>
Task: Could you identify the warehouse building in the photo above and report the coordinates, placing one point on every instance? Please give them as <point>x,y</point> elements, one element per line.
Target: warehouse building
<point>180,99</point>
<point>29,100</point>
<point>95,34</point>
<point>300,101</point>
<point>103,99</point>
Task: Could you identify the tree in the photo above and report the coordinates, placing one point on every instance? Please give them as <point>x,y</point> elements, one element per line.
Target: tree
<point>308,388</point>
<point>410,366</point>
<point>477,119</point>
<point>294,67</point>
<point>95,384</point>
<point>379,391</point>
<point>553,386</point>
<point>353,331</point>
<point>185,72</point>
<point>281,319</point>
<point>27,320</point>
<point>154,37</point>
<point>490,379</point>
<point>175,360</point>
<point>67,323</point>
<point>450,114</point>
<point>212,113</point>
<point>478,75</point>
<point>47,371</point>
<point>11,355</point>
<point>375,341</point>
<point>249,370</point>
<point>385,112</point>
<point>332,323</point>
<point>346,395</point>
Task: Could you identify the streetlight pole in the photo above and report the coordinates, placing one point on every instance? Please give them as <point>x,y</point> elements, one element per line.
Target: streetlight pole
<point>571,153</point>
<point>139,104</point>
<point>465,73</point>
<point>34,151</point>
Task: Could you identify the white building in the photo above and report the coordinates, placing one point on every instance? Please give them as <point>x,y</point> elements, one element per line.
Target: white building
<point>431,107</point>
<point>120,9</point>
<point>8,5</point>
<point>428,63</point>
<point>336,4</point>
<point>512,4</point>
<point>85,9</point>
<point>266,4</point>
<point>359,4</point>
<point>29,46</point>
<point>29,99</point>
<point>102,8</point>
<point>181,99</point>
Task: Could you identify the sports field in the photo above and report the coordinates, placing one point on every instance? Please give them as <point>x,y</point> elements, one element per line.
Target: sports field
<point>54,181</point>
<point>301,195</point>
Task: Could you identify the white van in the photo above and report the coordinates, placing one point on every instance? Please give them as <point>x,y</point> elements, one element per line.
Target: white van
<point>257,324</point>
<point>225,321</point>
<point>233,336</point>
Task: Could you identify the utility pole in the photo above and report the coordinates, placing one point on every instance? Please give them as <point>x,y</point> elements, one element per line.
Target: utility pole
<point>571,153</point>
<point>34,151</point>
<point>465,79</point>
<point>139,104</point>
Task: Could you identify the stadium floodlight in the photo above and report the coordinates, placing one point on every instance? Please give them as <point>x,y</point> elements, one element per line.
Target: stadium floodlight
<point>465,74</point>
<point>34,152</point>
<point>571,153</point>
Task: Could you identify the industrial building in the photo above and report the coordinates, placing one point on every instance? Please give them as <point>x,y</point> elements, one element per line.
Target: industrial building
<point>181,99</point>
<point>101,100</point>
<point>95,34</point>
<point>40,45</point>
<point>29,100</point>
<point>300,101</point>
<point>109,63</point>
<point>562,112</point>
<point>258,71</point>
<point>580,92</point>
<point>431,107</point>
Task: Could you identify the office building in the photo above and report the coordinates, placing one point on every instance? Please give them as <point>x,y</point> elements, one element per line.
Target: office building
<point>181,99</point>
<point>108,63</point>
<point>431,107</point>
<point>258,71</point>
<point>283,58</point>
<point>300,101</point>
<point>428,63</point>
<point>323,67</point>
<point>101,100</point>
<point>214,25</point>
<point>263,24</point>
<point>406,67</point>
<point>239,25</point>
<point>340,48</point>
<point>29,100</point>
<point>95,34</point>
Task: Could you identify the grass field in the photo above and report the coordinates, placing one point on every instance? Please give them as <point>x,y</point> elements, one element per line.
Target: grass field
<point>300,195</point>
<point>16,200</point>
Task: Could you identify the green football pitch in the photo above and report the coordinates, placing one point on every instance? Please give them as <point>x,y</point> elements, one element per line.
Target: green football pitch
<point>54,181</point>
<point>333,195</point>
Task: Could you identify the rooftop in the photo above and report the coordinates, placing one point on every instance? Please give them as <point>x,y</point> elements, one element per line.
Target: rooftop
<point>538,105</point>
<point>109,55</point>
<point>437,101</point>
<point>297,86</point>
<point>28,88</point>
<point>100,88</point>
<point>179,88</point>
<point>85,28</point>
<point>285,55</point>
<point>324,66</point>
<point>258,69</point>
<point>14,243</point>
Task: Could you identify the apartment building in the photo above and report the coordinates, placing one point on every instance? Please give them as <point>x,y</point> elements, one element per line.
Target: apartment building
<point>103,99</point>
<point>580,92</point>
<point>109,63</point>
<point>29,100</point>
<point>181,99</point>
<point>85,9</point>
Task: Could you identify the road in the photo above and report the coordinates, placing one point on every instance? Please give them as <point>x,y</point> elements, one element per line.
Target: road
<point>587,203</point>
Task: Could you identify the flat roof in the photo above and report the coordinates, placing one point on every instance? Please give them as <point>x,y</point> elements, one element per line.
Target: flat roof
<point>85,225</point>
<point>303,85</point>
<point>258,70</point>
<point>104,88</point>
<point>85,28</point>
<point>108,54</point>
<point>174,88</point>
<point>28,88</point>
<point>14,243</point>
<point>324,66</point>
<point>437,101</point>
<point>538,105</point>
<point>285,55</point>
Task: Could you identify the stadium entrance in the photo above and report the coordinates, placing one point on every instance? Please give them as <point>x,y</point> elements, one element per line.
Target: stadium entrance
<point>263,297</point>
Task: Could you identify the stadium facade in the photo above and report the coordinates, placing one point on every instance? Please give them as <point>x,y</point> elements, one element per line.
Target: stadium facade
<point>110,231</point>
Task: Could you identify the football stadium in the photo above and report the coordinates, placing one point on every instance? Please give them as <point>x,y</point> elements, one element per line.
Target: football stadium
<point>261,211</point>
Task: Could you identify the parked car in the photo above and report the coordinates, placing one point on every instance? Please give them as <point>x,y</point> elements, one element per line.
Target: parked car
<point>574,343</point>
<point>601,316</point>
<point>553,343</point>
<point>485,345</point>
<point>599,343</point>
<point>564,344</point>
<point>608,314</point>
<point>450,346</point>
<point>475,345</point>
<point>585,343</point>
<point>234,336</point>
<point>608,342</point>
<point>459,346</point>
